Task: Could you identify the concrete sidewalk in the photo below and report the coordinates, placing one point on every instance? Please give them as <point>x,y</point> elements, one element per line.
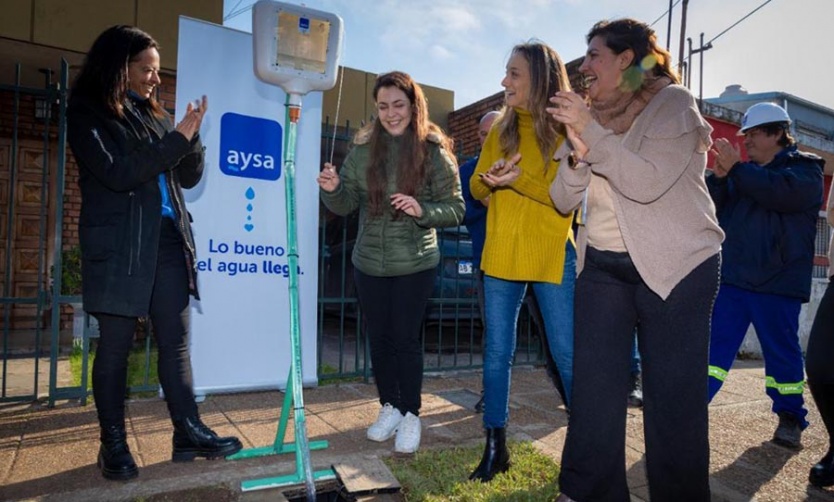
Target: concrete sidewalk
<point>49,454</point>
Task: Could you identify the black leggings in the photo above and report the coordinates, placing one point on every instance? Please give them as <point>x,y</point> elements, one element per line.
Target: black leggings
<point>393,309</point>
<point>169,315</point>
<point>611,299</point>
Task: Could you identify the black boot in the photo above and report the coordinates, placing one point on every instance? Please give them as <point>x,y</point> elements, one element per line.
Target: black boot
<point>114,458</point>
<point>496,457</point>
<point>822,474</point>
<point>479,406</point>
<point>192,438</point>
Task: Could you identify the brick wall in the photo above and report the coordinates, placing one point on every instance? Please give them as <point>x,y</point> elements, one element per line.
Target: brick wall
<point>463,124</point>
<point>167,92</point>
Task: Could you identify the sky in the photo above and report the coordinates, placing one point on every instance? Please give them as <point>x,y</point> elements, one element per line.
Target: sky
<point>463,45</point>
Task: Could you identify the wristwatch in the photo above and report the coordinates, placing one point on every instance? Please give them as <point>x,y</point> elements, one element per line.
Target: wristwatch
<point>575,161</point>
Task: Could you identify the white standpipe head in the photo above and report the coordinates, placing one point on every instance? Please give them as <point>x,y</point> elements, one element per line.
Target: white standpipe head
<point>295,47</point>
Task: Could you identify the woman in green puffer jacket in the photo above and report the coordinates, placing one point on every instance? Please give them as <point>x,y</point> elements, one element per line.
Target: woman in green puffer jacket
<point>403,179</point>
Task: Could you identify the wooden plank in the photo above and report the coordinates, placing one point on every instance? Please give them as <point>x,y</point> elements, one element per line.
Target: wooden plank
<point>366,475</point>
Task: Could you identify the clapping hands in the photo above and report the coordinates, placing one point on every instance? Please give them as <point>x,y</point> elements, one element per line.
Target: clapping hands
<point>726,156</point>
<point>189,126</point>
<point>502,172</point>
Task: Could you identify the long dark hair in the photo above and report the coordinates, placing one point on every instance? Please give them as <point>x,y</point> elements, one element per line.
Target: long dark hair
<point>412,166</point>
<point>103,77</point>
<point>649,57</point>
<point>547,77</point>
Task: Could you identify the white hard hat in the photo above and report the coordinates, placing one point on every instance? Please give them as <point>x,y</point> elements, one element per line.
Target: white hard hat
<point>762,113</point>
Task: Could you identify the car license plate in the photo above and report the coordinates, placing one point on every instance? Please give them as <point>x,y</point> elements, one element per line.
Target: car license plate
<point>464,267</point>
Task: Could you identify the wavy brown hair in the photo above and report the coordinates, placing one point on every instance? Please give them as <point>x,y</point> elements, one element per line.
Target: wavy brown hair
<point>413,163</point>
<point>650,58</point>
<point>547,77</point>
<point>103,77</point>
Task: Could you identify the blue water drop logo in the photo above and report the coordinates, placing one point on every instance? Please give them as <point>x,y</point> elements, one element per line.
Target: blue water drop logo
<point>250,194</point>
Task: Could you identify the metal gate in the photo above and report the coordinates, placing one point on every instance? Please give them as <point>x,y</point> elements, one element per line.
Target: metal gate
<point>32,132</point>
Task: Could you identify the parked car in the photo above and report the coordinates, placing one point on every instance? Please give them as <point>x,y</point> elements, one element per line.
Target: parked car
<point>453,297</point>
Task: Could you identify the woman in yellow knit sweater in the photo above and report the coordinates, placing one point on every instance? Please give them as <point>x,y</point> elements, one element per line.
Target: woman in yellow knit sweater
<point>527,240</point>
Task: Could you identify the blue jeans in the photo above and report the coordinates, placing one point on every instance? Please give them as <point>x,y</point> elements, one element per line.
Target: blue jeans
<point>635,356</point>
<point>503,301</point>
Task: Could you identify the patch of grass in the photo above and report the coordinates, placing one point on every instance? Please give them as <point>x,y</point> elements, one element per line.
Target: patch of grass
<point>220,493</point>
<point>135,367</point>
<point>442,476</point>
<point>327,370</point>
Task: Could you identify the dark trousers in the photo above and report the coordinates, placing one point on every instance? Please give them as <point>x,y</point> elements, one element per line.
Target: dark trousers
<point>611,299</point>
<point>169,317</point>
<point>819,358</point>
<point>393,308</point>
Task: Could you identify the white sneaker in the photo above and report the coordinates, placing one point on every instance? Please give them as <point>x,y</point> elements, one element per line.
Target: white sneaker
<point>386,424</point>
<point>408,435</point>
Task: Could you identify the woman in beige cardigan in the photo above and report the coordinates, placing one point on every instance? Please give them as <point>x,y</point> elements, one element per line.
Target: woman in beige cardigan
<point>649,253</point>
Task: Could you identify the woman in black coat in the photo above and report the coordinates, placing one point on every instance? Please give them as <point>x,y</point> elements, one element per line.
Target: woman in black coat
<point>137,251</point>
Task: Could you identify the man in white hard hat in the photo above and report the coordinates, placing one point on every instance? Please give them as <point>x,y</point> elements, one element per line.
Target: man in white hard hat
<point>768,208</point>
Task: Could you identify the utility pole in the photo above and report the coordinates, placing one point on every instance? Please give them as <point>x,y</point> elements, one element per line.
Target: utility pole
<point>684,5</point>
<point>669,25</point>
<point>700,51</point>
<point>687,77</point>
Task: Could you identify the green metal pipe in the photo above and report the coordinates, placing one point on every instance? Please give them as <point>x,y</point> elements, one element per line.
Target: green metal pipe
<point>302,457</point>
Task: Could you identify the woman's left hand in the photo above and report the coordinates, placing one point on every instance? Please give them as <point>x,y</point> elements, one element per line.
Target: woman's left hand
<point>570,109</point>
<point>407,204</point>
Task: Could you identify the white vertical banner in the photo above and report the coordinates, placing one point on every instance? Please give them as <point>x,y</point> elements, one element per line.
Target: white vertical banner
<point>240,331</point>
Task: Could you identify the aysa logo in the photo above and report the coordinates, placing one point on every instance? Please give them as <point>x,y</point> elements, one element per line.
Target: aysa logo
<point>250,147</point>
